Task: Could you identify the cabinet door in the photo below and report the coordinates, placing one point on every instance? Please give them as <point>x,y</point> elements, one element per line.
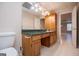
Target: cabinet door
<point>52,38</point>
<point>50,22</point>
<point>26,45</point>
<point>36,47</point>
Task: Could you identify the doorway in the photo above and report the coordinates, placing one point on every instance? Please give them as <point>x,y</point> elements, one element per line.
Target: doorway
<point>66,26</point>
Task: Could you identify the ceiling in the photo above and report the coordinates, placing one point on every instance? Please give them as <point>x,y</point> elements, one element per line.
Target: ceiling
<point>50,6</point>
<point>57,5</point>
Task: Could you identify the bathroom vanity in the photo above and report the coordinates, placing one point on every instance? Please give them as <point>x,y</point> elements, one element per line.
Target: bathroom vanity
<point>32,40</point>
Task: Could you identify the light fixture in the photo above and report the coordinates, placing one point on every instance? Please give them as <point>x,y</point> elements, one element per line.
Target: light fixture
<point>40,8</point>
<point>36,10</point>
<point>36,5</point>
<point>43,13</point>
<point>47,13</point>
<point>32,8</point>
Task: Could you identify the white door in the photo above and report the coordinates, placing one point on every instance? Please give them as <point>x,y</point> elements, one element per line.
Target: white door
<point>74,29</point>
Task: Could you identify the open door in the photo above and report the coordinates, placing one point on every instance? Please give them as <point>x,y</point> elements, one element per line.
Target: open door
<point>74,26</point>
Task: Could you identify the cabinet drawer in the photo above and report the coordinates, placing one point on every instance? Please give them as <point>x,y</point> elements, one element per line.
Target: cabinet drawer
<point>45,35</point>
<point>36,47</point>
<point>36,37</point>
<point>36,42</point>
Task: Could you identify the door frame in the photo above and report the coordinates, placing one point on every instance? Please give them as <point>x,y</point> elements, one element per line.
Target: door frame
<point>74,26</point>
<point>59,23</point>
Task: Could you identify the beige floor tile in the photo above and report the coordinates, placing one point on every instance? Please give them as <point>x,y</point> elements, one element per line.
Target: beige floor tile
<point>61,49</point>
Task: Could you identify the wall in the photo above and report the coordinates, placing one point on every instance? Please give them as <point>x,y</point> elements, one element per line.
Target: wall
<point>10,20</point>
<point>37,23</point>
<point>29,20</point>
<point>42,25</point>
<point>74,29</point>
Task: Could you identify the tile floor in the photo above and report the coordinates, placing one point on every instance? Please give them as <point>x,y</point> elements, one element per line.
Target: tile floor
<point>63,48</point>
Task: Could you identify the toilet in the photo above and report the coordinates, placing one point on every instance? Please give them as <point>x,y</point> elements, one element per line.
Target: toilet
<point>7,40</point>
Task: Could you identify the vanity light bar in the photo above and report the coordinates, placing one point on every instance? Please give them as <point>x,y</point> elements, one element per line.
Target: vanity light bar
<point>37,8</point>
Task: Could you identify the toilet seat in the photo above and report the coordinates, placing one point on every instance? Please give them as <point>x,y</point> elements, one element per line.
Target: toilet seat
<point>9,51</point>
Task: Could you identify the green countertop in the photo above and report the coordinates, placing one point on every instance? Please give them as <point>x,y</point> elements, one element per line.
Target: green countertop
<point>34,32</point>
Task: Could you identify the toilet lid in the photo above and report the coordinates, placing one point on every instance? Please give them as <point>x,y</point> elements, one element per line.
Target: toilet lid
<point>9,51</point>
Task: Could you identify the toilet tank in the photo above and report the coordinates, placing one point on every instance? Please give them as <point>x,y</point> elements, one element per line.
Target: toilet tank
<point>6,39</point>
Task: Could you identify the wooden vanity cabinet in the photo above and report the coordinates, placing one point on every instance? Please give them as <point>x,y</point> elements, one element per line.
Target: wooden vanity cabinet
<point>51,22</point>
<point>51,25</point>
<point>48,39</point>
<point>45,41</point>
<point>26,45</point>
<point>31,44</point>
<point>36,47</point>
<point>53,38</point>
<point>31,47</point>
<point>36,44</point>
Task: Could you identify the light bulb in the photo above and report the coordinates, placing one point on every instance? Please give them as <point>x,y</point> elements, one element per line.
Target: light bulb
<point>32,8</point>
<point>40,8</point>
<point>36,10</point>
<point>36,5</point>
